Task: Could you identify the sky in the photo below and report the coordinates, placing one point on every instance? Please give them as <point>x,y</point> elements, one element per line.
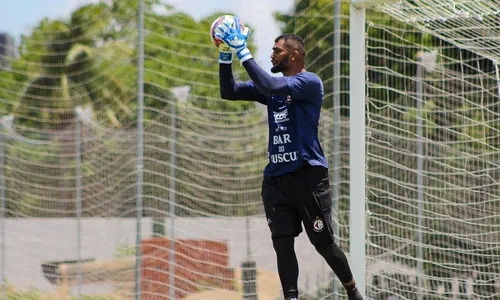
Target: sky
<point>19,16</point>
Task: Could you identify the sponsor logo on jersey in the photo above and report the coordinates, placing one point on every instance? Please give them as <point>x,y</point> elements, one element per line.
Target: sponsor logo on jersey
<point>280,116</point>
<point>284,157</point>
<point>281,128</point>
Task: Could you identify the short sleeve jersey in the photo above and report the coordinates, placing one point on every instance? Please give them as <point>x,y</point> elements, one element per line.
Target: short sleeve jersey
<point>293,126</point>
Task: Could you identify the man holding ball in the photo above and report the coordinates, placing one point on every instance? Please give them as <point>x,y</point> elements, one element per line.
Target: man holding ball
<point>296,186</point>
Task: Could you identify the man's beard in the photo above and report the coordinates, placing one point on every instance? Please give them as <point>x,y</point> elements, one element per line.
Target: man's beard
<point>280,67</point>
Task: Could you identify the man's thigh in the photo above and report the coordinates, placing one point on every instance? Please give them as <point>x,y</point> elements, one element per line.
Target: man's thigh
<point>282,217</point>
<point>313,200</point>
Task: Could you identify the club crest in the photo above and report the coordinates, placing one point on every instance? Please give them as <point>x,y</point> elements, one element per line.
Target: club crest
<point>318,225</point>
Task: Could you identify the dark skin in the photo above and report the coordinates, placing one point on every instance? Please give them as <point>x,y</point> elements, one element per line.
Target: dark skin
<point>286,60</point>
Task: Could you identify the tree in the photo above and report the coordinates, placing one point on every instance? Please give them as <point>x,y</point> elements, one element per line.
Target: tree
<point>73,63</point>
<point>313,21</point>
<point>91,59</point>
<point>179,52</point>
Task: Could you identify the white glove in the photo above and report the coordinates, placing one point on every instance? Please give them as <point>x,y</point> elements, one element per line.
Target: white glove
<point>235,38</point>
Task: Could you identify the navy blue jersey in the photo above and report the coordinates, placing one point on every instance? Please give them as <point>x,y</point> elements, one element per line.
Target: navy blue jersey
<point>293,126</point>
<point>293,106</point>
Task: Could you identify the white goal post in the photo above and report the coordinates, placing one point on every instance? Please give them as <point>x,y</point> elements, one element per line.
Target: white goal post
<point>468,28</point>
<point>357,192</point>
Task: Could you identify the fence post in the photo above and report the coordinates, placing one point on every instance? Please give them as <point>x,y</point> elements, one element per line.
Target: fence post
<point>172,200</point>
<point>78,177</point>
<point>249,268</point>
<point>140,147</point>
<point>3,213</point>
<point>181,94</point>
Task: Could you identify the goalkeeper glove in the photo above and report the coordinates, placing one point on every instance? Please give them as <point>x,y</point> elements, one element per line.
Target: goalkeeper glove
<point>235,39</point>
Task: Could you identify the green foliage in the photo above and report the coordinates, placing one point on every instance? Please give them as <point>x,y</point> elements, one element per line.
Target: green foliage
<point>180,53</point>
<point>8,93</point>
<point>65,69</point>
<point>410,119</point>
<point>125,250</point>
<point>312,20</point>
<point>91,59</point>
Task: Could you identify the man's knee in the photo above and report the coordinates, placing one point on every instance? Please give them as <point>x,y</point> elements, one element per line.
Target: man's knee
<point>331,252</point>
<point>329,248</point>
<point>283,243</point>
<point>336,259</point>
<point>324,247</point>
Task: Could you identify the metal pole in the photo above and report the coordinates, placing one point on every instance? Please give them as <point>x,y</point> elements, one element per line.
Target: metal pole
<point>173,136</point>
<point>248,268</point>
<point>357,143</point>
<point>498,78</point>
<point>420,178</point>
<point>336,127</point>
<point>247,231</point>
<point>78,173</point>
<point>2,213</point>
<point>426,62</point>
<point>140,147</point>
<point>181,94</point>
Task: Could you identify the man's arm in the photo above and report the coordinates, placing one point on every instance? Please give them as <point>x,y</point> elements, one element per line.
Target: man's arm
<point>231,90</point>
<point>304,86</point>
<point>236,38</point>
<point>265,83</point>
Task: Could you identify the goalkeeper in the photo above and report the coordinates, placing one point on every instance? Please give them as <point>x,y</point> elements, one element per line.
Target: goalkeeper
<point>296,186</point>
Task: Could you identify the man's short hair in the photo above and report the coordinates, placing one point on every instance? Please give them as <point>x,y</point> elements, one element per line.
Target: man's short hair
<point>293,42</point>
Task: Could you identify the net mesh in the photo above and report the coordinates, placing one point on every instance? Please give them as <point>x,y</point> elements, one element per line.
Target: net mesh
<point>70,169</point>
<point>433,150</point>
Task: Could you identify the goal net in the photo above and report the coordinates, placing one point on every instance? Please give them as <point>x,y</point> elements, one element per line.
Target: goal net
<point>84,187</point>
<point>433,150</point>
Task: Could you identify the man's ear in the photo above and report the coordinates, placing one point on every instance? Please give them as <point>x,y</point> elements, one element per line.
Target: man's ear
<point>295,54</point>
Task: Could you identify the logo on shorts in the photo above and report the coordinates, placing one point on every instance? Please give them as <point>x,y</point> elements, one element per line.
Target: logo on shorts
<point>318,225</point>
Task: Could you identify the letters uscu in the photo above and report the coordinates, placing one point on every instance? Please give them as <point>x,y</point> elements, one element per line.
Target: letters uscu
<point>284,157</point>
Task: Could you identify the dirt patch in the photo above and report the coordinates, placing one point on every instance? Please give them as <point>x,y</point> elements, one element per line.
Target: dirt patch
<point>268,288</point>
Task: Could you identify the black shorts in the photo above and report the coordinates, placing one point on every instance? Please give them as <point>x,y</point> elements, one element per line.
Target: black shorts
<point>303,196</point>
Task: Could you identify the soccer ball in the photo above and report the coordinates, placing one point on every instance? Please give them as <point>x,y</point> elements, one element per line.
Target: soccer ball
<point>219,44</point>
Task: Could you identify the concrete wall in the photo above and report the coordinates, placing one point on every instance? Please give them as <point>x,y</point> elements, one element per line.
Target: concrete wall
<point>31,242</point>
